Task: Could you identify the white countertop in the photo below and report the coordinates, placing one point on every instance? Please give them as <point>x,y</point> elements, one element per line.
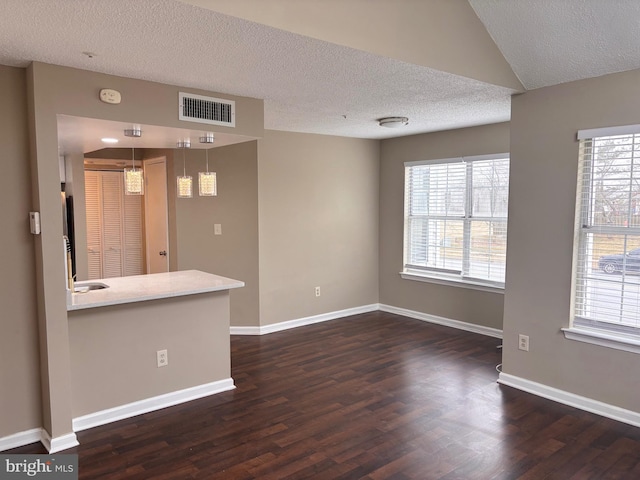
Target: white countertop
<point>140,288</point>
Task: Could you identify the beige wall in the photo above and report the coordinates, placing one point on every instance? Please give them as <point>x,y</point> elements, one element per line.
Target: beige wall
<point>20,407</point>
<point>193,329</point>
<point>544,161</point>
<point>233,254</point>
<point>54,90</point>
<point>456,303</point>
<point>318,201</point>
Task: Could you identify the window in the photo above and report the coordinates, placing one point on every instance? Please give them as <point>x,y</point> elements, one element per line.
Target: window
<point>456,219</point>
<point>607,276</point>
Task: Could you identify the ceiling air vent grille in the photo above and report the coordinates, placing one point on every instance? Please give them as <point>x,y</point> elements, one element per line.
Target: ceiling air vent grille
<point>214,111</point>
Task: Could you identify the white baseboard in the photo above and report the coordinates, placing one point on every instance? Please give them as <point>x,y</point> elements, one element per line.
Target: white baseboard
<point>245,331</point>
<point>20,439</point>
<point>324,317</point>
<point>58,444</point>
<point>53,445</point>
<point>583,403</point>
<point>447,322</point>
<point>150,404</point>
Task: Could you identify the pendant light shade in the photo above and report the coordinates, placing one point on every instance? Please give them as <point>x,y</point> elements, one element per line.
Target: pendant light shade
<point>207,184</point>
<point>133,181</point>
<point>185,186</point>
<point>207,181</point>
<point>133,178</point>
<point>185,182</point>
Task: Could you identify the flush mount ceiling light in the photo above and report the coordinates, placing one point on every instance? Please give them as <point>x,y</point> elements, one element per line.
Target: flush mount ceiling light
<point>184,182</point>
<point>109,140</point>
<point>393,122</point>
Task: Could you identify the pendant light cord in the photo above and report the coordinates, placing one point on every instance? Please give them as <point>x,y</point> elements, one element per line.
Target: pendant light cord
<point>184,165</point>
<point>206,152</point>
<point>133,158</point>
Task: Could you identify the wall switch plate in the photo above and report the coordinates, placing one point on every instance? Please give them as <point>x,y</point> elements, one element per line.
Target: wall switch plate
<point>163,358</point>
<point>34,222</point>
<point>523,342</point>
<point>217,229</point>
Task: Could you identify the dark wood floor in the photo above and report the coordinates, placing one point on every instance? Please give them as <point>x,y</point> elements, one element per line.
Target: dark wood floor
<point>373,396</point>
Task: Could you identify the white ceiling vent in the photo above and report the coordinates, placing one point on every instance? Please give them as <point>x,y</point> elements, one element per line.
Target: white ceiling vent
<point>200,109</point>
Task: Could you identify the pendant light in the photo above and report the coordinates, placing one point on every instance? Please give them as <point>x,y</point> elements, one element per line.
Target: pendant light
<point>184,182</point>
<point>207,181</point>
<point>133,178</point>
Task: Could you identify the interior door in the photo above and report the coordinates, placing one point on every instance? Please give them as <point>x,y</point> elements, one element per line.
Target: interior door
<point>156,215</point>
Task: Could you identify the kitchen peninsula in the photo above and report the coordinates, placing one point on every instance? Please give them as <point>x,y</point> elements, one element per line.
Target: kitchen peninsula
<point>118,334</point>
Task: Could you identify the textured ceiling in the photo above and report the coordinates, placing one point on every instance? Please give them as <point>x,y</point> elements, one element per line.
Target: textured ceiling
<point>548,42</point>
<point>310,85</point>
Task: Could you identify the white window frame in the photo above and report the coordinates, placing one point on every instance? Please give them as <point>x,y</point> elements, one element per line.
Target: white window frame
<point>589,330</point>
<point>443,276</point>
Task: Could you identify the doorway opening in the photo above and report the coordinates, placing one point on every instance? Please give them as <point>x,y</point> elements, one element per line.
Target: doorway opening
<point>126,234</point>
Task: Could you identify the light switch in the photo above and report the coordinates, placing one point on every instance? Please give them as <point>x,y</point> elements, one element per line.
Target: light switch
<point>217,229</point>
<point>34,222</point>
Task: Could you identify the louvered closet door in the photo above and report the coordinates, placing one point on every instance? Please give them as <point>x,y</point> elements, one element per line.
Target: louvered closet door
<point>132,231</point>
<point>94,224</point>
<point>114,227</point>
<point>112,235</point>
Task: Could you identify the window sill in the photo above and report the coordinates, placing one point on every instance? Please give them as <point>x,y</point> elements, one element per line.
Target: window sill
<point>451,281</point>
<point>602,338</point>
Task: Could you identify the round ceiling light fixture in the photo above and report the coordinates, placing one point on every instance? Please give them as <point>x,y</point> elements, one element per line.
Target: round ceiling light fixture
<point>393,122</point>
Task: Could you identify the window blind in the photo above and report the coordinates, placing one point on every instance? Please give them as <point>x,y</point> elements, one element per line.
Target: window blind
<point>607,277</point>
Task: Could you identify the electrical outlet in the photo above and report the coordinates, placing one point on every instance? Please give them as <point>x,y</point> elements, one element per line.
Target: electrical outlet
<point>317,291</point>
<point>217,229</point>
<point>523,342</point>
<point>163,358</point>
